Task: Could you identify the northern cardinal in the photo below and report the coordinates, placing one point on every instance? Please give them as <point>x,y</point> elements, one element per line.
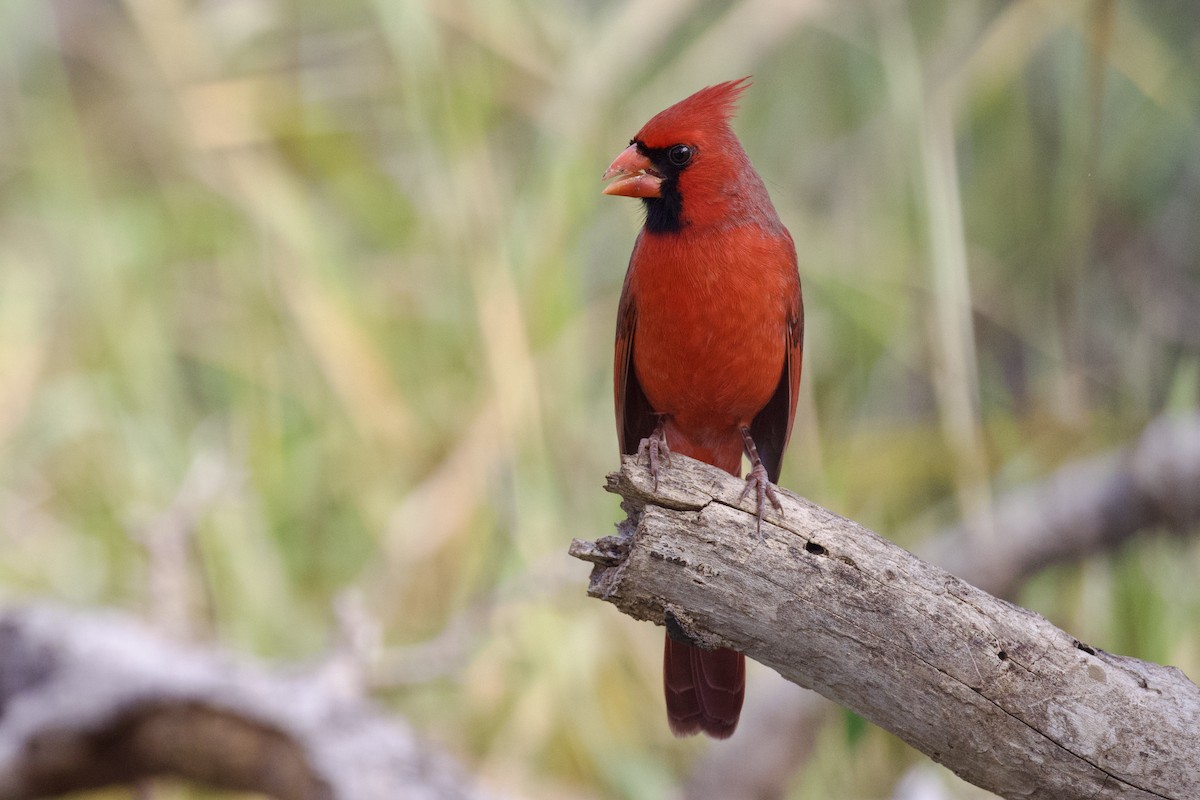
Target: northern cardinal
<point>709,336</point>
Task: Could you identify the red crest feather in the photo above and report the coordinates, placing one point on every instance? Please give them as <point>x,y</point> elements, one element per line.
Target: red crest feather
<point>708,109</point>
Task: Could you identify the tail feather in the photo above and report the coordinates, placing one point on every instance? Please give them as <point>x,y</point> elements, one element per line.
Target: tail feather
<point>704,689</point>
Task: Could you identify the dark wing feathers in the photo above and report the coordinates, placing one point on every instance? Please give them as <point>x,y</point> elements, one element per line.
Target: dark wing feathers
<point>635,418</point>
<point>772,427</point>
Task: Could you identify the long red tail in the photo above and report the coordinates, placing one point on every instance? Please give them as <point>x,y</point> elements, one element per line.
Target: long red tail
<point>704,689</point>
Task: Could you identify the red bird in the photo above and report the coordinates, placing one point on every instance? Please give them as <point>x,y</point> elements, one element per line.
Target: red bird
<point>709,337</point>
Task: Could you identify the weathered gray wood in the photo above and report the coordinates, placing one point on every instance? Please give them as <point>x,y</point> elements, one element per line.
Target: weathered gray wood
<point>991,690</point>
<point>94,699</point>
<point>1086,507</point>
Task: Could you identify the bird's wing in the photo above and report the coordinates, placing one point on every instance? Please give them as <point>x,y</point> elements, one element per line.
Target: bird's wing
<point>635,418</point>
<point>772,427</point>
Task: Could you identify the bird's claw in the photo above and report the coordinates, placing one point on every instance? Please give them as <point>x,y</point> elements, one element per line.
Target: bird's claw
<point>758,482</point>
<point>654,449</point>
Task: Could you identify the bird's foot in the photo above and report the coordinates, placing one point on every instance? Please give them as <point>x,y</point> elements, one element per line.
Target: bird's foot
<point>654,449</point>
<point>758,481</point>
<point>764,490</point>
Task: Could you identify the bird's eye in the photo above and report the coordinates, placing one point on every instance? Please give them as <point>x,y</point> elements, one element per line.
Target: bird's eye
<point>680,154</point>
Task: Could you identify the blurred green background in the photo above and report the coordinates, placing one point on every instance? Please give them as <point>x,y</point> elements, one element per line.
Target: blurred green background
<point>310,304</point>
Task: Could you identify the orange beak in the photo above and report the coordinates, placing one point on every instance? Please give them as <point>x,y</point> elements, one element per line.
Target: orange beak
<point>635,175</point>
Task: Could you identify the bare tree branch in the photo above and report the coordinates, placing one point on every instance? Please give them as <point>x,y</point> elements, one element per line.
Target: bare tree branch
<point>1086,507</point>
<point>993,691</point>
<point>88,700</point>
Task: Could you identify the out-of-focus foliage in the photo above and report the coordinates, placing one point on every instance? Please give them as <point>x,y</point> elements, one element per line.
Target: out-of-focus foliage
<point>301,299</point>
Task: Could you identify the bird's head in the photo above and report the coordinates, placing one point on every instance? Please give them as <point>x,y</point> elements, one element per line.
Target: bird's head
<point>687,165</point>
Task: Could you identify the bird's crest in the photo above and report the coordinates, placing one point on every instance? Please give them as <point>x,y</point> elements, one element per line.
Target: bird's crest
<point>708,109</point>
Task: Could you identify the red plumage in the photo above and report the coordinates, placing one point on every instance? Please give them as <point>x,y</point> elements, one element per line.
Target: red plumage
<point>709,336</point>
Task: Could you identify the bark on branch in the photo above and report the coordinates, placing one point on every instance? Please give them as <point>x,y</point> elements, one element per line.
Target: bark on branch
<point>89,700</point>
<point>991,690</point>
<point>1086,507</point>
